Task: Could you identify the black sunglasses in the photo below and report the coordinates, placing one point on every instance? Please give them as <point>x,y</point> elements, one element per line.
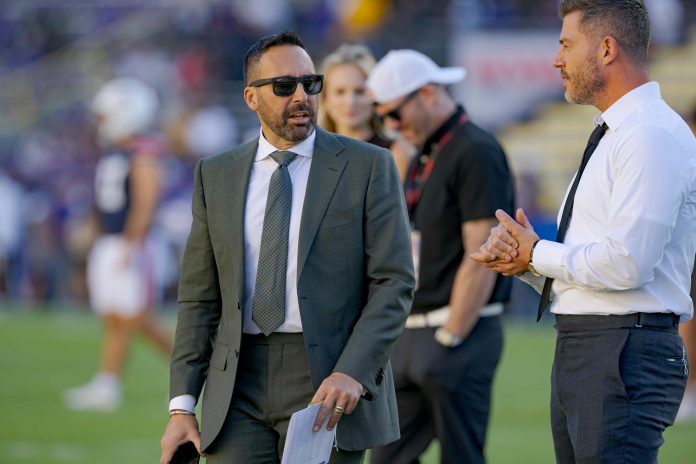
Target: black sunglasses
<point>395,113</point>
<point>285,86</point>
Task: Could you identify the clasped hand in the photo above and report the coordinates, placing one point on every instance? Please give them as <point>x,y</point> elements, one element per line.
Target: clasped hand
<point>509,245</point>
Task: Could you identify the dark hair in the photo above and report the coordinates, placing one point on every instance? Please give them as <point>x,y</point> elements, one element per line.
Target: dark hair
<point>624,20</point>
<point>253,55</point>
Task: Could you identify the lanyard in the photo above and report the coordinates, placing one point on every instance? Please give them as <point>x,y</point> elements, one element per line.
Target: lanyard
<point>420,171</point>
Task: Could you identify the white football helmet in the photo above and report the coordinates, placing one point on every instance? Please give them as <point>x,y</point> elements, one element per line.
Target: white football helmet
<point>125,106</point>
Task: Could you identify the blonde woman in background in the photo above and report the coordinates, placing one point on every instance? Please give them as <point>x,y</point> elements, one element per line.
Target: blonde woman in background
<point>346,108</point>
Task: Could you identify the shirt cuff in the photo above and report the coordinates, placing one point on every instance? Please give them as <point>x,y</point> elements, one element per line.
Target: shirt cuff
<point>548,258</point>
<point>185,402</point>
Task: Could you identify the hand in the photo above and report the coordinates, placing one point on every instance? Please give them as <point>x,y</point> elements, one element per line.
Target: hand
<point>508,249</point>
<point>524,234</point>
<point>180,429</point>
<point>461,326</point>
<point>501,247</point>
<point>340,390</point>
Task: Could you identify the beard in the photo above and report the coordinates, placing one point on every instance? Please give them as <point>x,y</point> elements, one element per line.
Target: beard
<point>584,85</point>
<point>280,123</point>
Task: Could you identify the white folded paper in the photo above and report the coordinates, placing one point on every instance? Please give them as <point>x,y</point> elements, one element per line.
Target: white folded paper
<point>302,445</point>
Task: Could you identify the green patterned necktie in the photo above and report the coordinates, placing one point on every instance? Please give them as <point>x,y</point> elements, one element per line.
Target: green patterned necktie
<point>269,295</point>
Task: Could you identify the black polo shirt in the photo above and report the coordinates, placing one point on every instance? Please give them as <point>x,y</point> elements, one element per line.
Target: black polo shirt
<point>470,179</point>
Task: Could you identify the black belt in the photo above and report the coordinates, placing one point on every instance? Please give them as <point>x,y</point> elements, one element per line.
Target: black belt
<point>573,323</point>
<point>276,338</point>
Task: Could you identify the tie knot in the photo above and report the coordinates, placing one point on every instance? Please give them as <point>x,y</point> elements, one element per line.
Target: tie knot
<point>598,132</point>
<point>283,158</point>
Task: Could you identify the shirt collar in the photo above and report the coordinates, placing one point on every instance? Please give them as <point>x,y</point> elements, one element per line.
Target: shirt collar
<point>304,148</point>
<point>622,108</point>
<point>435,138</point>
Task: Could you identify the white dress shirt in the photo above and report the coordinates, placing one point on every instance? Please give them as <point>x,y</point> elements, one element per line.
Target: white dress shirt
<point>255,209</point>
<point>631,242</point>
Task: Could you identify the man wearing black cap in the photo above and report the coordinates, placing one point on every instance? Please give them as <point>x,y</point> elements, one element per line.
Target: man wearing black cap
<point>445,360</point>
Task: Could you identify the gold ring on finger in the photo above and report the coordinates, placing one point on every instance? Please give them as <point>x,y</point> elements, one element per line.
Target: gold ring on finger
<point>338,410</point>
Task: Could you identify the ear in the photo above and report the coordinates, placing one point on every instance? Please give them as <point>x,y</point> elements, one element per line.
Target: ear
<point>250,98</point>
<point>428,93</point>
<point>608,50</point>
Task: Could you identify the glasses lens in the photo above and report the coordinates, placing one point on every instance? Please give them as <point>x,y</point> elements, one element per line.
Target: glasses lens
<point>312,84</point>
<point>284,87</point>
<point>393,115</point>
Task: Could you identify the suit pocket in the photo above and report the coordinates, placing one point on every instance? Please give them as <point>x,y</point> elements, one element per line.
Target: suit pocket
<point>219,357</point>
<point>341,217</point>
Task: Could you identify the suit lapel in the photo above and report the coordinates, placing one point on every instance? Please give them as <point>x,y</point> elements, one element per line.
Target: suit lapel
<point>324,174</point>
<point>237,180</point>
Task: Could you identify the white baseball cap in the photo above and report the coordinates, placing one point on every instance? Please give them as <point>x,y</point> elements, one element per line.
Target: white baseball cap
<point>401,72</point>
<point>127,106</point>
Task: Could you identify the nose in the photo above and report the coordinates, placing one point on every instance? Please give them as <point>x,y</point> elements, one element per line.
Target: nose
<point>557,62</point>
<point>299,95</point>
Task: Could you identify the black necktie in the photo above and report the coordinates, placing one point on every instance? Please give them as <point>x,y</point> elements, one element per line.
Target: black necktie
<point>597,134</point>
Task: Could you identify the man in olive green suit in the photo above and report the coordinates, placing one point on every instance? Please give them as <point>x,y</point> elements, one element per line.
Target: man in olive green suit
<point>334,207</point>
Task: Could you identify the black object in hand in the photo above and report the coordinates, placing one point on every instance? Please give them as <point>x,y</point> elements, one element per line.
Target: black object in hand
<point>186,453</point>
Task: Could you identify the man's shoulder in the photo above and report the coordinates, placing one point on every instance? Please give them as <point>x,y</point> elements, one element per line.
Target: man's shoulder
<point>475,134</point>
<point>226,157</point>
<point>350,146</point>
<point>355,144</point>
<point>471,143</point>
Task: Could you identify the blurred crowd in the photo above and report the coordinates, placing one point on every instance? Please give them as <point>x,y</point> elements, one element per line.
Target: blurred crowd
<point>54,56</point>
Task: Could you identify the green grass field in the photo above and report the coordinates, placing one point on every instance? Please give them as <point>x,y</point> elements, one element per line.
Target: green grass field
<point>43,353</point>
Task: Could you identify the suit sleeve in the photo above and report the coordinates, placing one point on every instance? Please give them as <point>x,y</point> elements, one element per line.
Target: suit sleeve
<point>389,274</point>
<point>199,302</point>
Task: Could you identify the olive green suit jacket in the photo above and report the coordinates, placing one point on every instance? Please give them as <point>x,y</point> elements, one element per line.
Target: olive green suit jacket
<point>355,282</point>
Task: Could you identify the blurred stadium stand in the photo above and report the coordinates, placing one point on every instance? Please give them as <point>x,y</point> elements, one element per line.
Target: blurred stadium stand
<point>55,54</point>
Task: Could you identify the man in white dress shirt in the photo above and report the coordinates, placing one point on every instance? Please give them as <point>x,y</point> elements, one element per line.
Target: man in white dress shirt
<point>619,271</point>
